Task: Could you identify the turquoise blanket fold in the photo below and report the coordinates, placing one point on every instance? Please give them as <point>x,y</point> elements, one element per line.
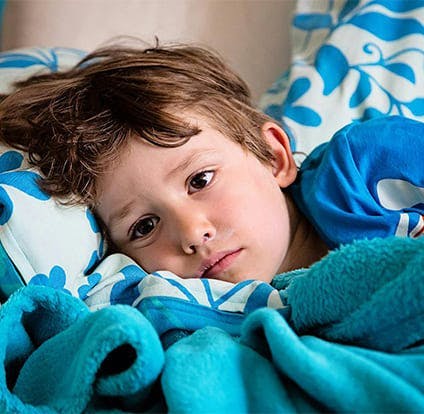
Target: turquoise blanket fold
<point>59,357</point>
<point>353,342</point>
<point>271,369</point>
<point>370,293</point>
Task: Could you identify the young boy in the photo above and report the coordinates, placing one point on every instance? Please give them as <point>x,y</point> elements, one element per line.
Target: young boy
<point>185,175</point>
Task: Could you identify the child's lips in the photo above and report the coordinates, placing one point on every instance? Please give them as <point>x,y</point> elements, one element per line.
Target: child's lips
<point>217,264</point>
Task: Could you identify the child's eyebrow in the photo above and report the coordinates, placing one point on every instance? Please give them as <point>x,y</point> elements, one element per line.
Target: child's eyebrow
<point>188,161</point>
<point>120,214</point>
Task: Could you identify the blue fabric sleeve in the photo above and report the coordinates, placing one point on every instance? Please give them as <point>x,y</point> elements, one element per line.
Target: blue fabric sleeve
<point>366,182</point>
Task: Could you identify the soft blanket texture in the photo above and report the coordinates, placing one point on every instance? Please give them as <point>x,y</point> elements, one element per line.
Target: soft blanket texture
<point>353,342</point>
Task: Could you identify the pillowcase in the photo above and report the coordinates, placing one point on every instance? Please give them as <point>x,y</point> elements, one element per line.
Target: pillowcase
<point>41,240</point>
<point>351,61</point>
<point>19,64</point>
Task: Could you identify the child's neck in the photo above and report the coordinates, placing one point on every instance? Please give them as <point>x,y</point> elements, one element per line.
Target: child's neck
<point>306,247</point>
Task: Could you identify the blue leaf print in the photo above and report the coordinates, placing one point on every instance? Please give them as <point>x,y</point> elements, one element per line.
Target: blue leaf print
<point>55,280</point>
<point>51,60</point>
<point>362,91</point>
<point>92,280</point>
<point>402,69</point>
<point>312,21</point>
<point>371,113</point>
<point>303,115</point>
<point>19,60</point>
<point>10,160</point>
<point>333,67</point>
<point>298,88</point>
<point>97,255</point>
<point>6,206</point>
<point>92,220</point>
<point>400,6</point>
<point>94,260</point>
<point>258,298</point>
<point>25,181</point>
<point>42,56</point>
<point>126,291</point>
<point>416,106</point>
<point>348,7</point>
<point>385,27</point>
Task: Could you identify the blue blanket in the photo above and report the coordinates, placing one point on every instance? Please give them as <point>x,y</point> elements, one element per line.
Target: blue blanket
<point>352,340</point>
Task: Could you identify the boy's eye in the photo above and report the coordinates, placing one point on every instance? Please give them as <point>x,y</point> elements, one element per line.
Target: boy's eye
<point>143,227</point>
<point>200,180</point>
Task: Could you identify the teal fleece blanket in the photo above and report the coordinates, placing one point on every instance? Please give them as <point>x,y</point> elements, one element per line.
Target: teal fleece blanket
<point>353,341</point>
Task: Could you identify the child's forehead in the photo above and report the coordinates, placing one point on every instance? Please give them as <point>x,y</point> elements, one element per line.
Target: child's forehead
<point>198,119</point>
<point>205,125</point>
<point>143,162</point>
<point>208,139</point>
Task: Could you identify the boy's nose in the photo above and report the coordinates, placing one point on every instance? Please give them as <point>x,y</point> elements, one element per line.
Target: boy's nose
<point>195,231</point>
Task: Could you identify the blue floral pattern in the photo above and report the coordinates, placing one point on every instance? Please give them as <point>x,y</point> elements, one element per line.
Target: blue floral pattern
<point>47,57</point>
<point>352,61</point>
<point>92,280</point>
<point>47,243</point>
<point>10,160</point>
<point>56,279</point>
<point>126,290</point>
<point>298,113</point>
<point>97,255</point>
<point>169,302</point>
<point>25,181</point>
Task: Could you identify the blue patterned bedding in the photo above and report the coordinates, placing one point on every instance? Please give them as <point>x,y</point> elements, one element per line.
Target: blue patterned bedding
<point>345,335</point>
<point>351,61</point>
<point>350,341</point>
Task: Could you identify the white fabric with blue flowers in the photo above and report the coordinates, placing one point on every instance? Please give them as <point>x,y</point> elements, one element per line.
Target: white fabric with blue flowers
<point>20,64</point>
<point>351,61</point>
<point>48,243</point>
<point>170,302</point>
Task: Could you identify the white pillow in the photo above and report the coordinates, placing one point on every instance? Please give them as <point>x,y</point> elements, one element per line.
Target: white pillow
<point>45,241</point>
<point>351,61</point>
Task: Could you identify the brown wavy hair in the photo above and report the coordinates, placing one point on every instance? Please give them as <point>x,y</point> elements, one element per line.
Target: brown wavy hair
<point>75,123</point>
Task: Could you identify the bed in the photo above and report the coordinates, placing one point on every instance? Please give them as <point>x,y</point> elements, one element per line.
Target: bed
<point>81,331</point>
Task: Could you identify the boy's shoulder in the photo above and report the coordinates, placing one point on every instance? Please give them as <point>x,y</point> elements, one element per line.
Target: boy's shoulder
<point>392,140</point>
<point>377,148</point>
<point>366,182</point>
<point>389,133</point>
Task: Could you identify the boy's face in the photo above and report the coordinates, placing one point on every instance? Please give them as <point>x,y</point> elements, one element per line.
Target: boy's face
<point>205,209</point>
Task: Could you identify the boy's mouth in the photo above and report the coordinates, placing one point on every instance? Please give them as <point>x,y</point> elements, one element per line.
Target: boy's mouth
<point>217,264</point>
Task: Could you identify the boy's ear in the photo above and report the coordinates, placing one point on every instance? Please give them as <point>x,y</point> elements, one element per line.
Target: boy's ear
<point>283,165</point>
